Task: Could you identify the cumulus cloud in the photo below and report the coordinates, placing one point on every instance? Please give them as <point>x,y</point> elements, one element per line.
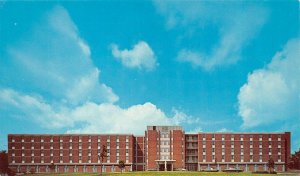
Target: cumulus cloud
<point>140,56</point>
<point>235,28</point>
<point>273,93</point>
<point>95,118</point>
<point>271,96</point>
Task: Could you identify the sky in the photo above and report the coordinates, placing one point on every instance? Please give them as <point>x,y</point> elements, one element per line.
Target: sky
<point>118,66</point>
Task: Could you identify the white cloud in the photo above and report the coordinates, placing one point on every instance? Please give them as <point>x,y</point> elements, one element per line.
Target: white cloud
<point>271,96</point>
<point>55,60</point>
<point>95,118</point>
<point>273,93</point>
<point>235,28</point>
<point>140,56</point>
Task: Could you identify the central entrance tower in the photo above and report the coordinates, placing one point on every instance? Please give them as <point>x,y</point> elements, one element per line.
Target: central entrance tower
<point>165,148</point>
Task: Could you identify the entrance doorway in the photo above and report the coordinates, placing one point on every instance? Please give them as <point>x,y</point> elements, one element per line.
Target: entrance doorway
<point>162,167</point>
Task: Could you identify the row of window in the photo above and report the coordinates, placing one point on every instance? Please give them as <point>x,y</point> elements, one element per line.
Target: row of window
<point>242,136</point>
<point>71,160</point>
<point>75,169</point>
<point>242,150</point>
<point>70,140</point>
<point>241,158</point>
<point>79,145</point>
<point>241,142</point>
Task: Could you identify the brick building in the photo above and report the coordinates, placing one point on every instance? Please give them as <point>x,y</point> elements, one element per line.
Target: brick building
<point>162,148</point>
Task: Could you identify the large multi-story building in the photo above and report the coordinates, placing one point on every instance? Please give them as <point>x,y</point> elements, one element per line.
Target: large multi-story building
<point>162,148</point>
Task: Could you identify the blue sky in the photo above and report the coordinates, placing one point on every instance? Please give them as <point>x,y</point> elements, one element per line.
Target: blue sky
<point>108,67</point>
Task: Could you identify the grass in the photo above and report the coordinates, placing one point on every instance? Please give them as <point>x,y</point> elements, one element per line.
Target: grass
<point>166,174</point>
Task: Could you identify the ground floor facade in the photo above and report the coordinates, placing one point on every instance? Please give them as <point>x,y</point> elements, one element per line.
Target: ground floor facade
<point>246,167</point>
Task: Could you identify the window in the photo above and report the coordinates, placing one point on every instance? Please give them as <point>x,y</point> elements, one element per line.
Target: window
<point>204,157</point>
<point>118,150</point>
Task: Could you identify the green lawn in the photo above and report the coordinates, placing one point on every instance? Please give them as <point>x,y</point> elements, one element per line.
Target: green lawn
<point>167,174</point>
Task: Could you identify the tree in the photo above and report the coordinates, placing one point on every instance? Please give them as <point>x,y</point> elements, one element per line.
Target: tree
<point>295,161</point>
<point>3,162</point>
<point>121,165</point>
<point>102,155</point>
<point>271,164</point>
<point>52,167</point>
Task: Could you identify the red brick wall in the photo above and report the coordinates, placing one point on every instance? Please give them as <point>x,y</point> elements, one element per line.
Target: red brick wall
<point>152,149</point>
<point>178,151</point>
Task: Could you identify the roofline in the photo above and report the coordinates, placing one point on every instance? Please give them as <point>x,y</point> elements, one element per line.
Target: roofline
<point>239,133</point>
<point>57,134</point>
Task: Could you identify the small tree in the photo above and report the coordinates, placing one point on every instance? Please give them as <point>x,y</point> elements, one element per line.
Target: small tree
<point>52,167</point>
<point>271,164</point>
<point>102,155</point>
<point>121,165</point>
